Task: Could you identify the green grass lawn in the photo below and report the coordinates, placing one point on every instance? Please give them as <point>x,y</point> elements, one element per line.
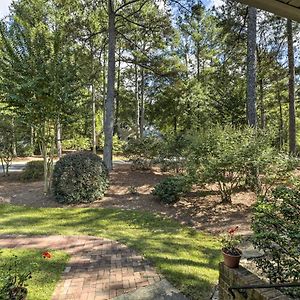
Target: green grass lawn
<point>187,258</point>
<point>45,272</point>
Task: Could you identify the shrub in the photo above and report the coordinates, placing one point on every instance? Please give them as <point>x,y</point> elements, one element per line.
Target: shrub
<point>77,143</point>
<point>230,156</point>
<point>34,170</point>
<point>170,189</point>
<point>172,152</point>
<point>118,145</point>
<point>13,280</point>
<point>24,149</point>
<point>142,152</point>
<point>141,164</point>
<point>79,177</point>
<point>276,227</point>
<point>217,156</point>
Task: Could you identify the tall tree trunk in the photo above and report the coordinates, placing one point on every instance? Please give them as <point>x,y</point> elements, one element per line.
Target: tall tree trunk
<point>142,106</point>
<point>43,146</point>
<point>94,133</point>
<point>292,115</point>
<point>14,145</point>
<point>117,126</point>
<point>32,139</point>
<point>104,84</point>
<point>137,100</point>
<point>93,99</point>
<point>58,139</point>
<point>111,76</point>
<point>251,68</point>
<point>252,178</point>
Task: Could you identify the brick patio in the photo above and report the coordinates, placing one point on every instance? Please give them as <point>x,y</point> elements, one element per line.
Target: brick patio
<point>98,268</point>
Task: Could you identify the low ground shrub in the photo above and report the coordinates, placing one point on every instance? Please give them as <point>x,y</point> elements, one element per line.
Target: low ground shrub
<point>24,149</point>
<point>276,227</point>
<point>13,280</point>
<point>79,177</point>
<point>141,164</point>
<point>34,170</point>
<point>171,189</point>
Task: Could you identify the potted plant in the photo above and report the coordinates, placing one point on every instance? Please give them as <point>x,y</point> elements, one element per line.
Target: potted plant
<point>231,253</point>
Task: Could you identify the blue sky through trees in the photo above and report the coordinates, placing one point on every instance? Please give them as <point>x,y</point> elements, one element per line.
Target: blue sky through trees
<point>4,5</point>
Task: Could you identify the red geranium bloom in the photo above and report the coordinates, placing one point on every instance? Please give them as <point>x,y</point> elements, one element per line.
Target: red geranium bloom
<point>46,254</point>
<point>232,230</point>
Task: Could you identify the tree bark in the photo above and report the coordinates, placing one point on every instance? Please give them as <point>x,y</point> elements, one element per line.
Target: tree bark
<point>111,75</point>
<point>142,104</point>
<point>292,115</point>
<point>251,68</point>
<point>14,145</point>
<point>32,139</point>
<point>94,133</point>
<point>104,84</point>
<point>117,125</point>
<point>137,100</point>
<point>58,139</point>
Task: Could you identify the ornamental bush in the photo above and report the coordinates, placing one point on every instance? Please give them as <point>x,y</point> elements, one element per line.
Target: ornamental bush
<point>276,227</point>
<point>170,189</point>
<point>142,152</point>
<point>79,177</point>
<point>233,158</point>
<point>172,153</point>
<point>34,170</point>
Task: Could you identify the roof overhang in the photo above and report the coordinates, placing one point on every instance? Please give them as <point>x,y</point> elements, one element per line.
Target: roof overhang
<point>285,8</point>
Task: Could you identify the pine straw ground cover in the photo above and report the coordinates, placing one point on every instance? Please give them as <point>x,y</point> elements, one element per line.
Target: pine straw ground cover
<point>187,258</point>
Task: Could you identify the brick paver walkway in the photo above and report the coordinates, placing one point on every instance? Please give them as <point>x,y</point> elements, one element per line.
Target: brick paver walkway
<point>98,268</point>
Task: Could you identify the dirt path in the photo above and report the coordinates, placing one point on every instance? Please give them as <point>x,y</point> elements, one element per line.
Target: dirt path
<point>200,209</point>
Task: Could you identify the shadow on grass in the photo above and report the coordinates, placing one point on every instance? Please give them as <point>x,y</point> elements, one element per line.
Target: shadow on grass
<point>187,258</point>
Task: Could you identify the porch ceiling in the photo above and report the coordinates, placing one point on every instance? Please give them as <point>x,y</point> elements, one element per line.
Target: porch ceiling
<point>284,8</point>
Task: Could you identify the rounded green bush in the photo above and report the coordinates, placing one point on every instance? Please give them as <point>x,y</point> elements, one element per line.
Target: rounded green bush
<point>34,170</point>
<point>170,189</point>
<point>80,177</point>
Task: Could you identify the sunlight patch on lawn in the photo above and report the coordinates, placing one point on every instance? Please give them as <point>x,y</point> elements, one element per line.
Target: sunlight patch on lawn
<point>45,272</point>
<point>187,258</point>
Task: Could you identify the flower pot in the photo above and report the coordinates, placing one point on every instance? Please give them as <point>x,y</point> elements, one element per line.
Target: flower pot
<point>232,260</point>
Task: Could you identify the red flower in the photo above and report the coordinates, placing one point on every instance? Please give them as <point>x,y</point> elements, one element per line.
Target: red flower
<point>232,230</point>
<point>46,254</point>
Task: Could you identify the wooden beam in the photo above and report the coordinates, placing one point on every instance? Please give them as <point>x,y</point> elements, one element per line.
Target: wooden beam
<point>278,8</point>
